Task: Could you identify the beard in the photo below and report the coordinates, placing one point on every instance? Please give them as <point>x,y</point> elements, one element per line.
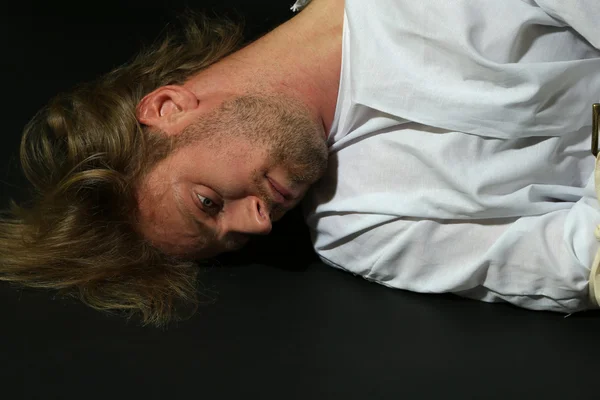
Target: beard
<point>279,125</point>
<point>286,129</point>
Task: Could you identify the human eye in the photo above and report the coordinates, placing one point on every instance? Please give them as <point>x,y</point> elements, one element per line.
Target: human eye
<point>208,205</point>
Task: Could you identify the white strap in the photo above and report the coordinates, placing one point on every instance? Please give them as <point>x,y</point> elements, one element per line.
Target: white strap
<point>594,277</point>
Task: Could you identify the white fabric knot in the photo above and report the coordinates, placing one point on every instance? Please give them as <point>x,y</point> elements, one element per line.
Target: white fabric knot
<point>299,5</point>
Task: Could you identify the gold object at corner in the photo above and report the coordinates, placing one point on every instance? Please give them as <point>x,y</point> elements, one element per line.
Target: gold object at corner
<point>595,127</point>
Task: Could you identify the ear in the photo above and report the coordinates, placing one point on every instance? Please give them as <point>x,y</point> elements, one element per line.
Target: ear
<point>168,108</point>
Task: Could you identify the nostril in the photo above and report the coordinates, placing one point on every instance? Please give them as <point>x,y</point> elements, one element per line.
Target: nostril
<point>263,210</point>
<point>260,210</point>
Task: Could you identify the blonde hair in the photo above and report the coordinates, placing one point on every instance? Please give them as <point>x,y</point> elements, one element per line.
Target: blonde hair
<point>84,153</point>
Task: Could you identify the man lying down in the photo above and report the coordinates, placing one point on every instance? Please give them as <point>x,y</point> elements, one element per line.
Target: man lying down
<point>439,147</point>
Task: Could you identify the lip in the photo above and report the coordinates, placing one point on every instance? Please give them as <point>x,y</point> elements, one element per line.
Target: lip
<point>282,195</point>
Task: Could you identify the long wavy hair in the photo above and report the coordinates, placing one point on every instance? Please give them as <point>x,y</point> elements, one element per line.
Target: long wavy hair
<point>84,153</point>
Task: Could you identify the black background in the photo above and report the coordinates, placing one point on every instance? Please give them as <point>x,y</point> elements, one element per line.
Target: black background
<point>279,324</point>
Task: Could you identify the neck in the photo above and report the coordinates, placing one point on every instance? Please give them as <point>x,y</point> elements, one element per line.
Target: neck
<point>300,59</point>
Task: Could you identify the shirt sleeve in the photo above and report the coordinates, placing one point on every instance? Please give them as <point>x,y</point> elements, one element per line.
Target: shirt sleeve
<point>536,262</point>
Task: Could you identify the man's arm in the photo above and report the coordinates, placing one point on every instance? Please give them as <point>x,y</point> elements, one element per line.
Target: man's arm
<point>537,262</point>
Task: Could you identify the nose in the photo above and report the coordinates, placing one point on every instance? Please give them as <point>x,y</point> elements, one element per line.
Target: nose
<point>249,215</point>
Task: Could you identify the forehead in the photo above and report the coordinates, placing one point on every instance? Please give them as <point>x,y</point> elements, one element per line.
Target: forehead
<point>166,222</point>
<point>164,219</point>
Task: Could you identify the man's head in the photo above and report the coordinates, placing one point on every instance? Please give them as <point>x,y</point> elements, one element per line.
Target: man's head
<point>182,153</point>
<point>84,154</point>
<point>234,169</point>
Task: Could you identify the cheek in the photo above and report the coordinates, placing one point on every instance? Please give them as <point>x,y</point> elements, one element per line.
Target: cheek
<point>235,167</point>
<point>244,159</point>
<point>235,176</point>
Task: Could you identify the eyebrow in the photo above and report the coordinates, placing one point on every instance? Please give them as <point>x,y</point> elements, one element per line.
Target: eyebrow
<point>204,232</point>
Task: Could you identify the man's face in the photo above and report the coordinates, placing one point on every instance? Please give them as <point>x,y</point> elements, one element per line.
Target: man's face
<point>239,167</point>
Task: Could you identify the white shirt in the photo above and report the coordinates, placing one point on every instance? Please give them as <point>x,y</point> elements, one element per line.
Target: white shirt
<point>460,149</point>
